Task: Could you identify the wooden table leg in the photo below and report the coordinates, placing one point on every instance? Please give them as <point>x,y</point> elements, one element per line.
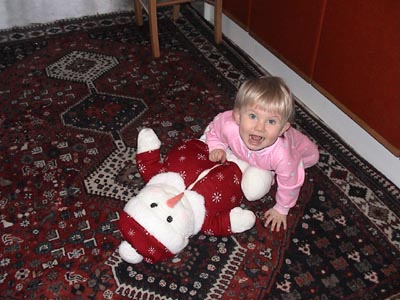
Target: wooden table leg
<point>138,13</point>
<point>155,47</point>
<point>218,21</point>
<point>175,12</point>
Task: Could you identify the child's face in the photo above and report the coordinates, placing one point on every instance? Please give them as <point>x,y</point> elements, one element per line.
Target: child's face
<point>259,128</point>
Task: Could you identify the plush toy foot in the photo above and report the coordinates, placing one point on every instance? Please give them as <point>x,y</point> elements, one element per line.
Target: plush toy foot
<point>241,219</point>
<point>148,141</point>
<point>256,183</point>
<point>128,253</point>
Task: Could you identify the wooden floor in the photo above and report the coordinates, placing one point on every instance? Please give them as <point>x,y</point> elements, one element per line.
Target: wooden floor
<point>27,12</point>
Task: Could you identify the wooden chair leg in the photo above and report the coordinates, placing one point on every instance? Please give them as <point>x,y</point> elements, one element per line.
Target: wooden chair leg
<point>218,21</point>
<point>155,47</point>
<point>138,13</point>
<point>175,12</point>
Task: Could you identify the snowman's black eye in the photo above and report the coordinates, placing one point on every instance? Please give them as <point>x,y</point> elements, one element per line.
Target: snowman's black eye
<point>153,205</point>
<point>169,219</point>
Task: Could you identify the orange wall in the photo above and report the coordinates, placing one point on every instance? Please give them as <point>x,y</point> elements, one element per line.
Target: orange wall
<point>358,62</point>
<point>349,50</point>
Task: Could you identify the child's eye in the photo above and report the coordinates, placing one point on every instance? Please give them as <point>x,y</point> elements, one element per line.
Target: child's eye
<point>252,116</point>
<point>271,122</point>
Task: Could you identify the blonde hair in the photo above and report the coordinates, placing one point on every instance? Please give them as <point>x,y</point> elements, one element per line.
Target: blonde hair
<point>268,93</point>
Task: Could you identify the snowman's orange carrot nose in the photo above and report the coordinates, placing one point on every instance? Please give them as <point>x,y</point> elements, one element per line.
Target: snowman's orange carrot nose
<point>171,202</point>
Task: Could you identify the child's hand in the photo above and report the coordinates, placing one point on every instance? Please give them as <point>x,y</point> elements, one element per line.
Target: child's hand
<point>217,155</point>
<point>275,219</point>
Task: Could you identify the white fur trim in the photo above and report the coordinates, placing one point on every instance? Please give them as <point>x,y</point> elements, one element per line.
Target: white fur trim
<point>128,253</point>
<point>148,141</point>
<point>256,183</point>
<point>197,205</point>
<point>169,179</point>
<point>241,219</point>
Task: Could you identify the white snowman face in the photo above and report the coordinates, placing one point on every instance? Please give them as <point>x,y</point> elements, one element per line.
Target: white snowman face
<point>172,225</point>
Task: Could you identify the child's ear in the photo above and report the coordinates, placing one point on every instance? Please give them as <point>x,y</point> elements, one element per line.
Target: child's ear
<point>236,115</point>
<point>285,127</point>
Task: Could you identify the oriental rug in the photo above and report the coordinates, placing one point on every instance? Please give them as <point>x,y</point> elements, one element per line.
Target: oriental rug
<point>74,95</point>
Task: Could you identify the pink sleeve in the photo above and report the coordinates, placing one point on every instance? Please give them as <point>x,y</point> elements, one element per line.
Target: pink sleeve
<point>290,168</point>
<point>215,137</point>
<point>290,181</point>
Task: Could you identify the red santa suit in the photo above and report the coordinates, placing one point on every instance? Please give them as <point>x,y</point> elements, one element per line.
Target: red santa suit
<point>220,187</point>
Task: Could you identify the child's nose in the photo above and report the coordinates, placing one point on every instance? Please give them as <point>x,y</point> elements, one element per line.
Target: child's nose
<point>260,126</point>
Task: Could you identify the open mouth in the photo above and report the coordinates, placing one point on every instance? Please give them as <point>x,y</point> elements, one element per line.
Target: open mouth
<point>255,139</point>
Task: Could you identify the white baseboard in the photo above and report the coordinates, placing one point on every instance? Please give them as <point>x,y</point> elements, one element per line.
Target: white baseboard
<point>355,136</point>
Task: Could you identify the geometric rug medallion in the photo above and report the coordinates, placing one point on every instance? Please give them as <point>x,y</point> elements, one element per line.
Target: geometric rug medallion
<point>81,66</point>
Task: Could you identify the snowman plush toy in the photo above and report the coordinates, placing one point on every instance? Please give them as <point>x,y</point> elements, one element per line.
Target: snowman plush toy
<point>185,193</point>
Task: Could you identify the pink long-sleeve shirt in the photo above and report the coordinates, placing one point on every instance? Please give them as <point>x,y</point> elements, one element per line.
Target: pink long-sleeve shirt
<point>287,157</point>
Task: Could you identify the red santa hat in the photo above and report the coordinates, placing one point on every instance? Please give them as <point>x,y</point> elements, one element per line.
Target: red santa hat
<point>145,244</point>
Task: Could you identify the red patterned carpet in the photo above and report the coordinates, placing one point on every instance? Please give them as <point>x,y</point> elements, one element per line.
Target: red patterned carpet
<point>74,95</point>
